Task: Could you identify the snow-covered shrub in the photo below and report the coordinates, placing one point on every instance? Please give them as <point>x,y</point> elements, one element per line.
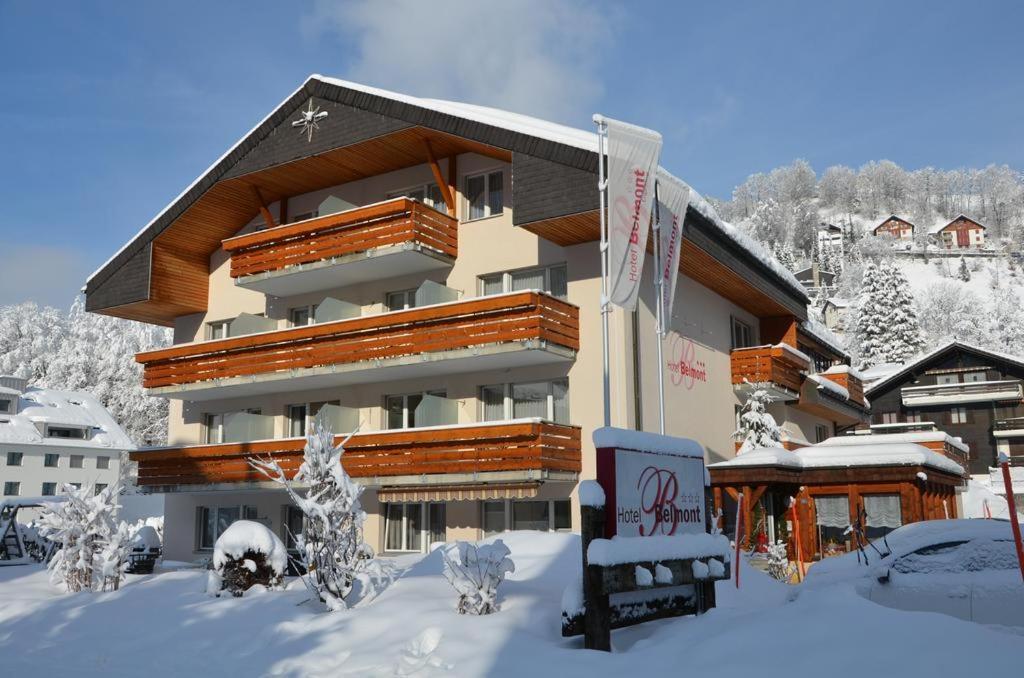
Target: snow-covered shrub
<point>91,545</point>
<point>246,554</point>
<point>757,426</point>
<point>778,561</point>
<point>419,654</point>
<point>331,546</point>
<point>475,572</point>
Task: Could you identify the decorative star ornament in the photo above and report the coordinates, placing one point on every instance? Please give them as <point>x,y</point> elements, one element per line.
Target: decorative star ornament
<point>308,120</point>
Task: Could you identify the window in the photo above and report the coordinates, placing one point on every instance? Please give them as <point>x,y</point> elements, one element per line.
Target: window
<point>65,432</point>
<point>214,426</point>
<point>820,433</point>
<point>400,300</point>
<point>102,463</point>
<point>428,194</point>
<point>944,379</point>
<point>14,458</point>
<point>484,195</point>
<point>12,489</point>
<point>509,514</point>
<point>218,329</point>
<point>212,521</point>
<point>302,315</point>
<point>544,399</point>
<point>742,334</point>
<point>958,415</point>
<point>77,461</point>
<point>294,523</point>
<point>890,418</point>
<point>100,487</point>
<point>216,432</point>
<point>304,216</point>
<point>970,377</point>
<point>51,460</point>
<point>914,416</point>
<point>551,279</point>
<point>297,420</point>
<point>832,519</point>
<point>884,514</point>
<point>6,406</point>
<point>401,409</point>
<point>405,529</point>
<point>49,489</point>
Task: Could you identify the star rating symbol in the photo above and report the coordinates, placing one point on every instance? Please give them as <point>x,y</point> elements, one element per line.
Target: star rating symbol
<point>308,120</point>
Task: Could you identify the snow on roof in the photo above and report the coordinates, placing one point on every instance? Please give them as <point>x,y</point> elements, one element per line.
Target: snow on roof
<point>823,334</point>
<point>63,408</point>
<point>939,226</point>
<point>917,437</point>
<point>619,550</point>
<point>609,436</point>
<point>826,384</point>
<point>838,302</point>
<point>905,368</point>
<point>846,455</point>
<point>845,369</point>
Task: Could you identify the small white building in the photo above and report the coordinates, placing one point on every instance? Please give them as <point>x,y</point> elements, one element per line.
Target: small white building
<point>48,438</point>
<point>831,235</point>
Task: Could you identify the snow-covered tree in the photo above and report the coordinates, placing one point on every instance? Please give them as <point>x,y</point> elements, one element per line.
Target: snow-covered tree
<point>784,254</point>
<point>902,328</point>
<point>1006,321</point>
<point>962,272</point>
<point>331,545</point>
<point>778,562</point>
<point>949,310</point>
<point>475,572</point>
<point>92,545</point>
<point>871,314</point>
<point>757,427</point>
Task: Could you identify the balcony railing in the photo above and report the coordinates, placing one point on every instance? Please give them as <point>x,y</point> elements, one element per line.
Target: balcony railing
<point>401,226</point>
<point>779,365</point>
<point>969,392</point>
<point>523,447</point>
<point>848,380</point>
<point>482,333</point>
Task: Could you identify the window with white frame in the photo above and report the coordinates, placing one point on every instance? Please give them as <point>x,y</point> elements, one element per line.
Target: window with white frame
<point>49,489</point>
<point>547,399</point>
<point>915,416</point>
<point>400,410</point>
<point>302,315</point>
<point>12,488</point>
<point>211,521</point>
<point>958,415</point>
<point>945,379</point>
<point>973,377</point>
<point>551,515</point>
<point>484,195</point>
<point>14,458</point>
<point>890,418</point>
<point>400,300</point>
<point>103,463</point>
<point>742,334</point>
<point>551,279</point>
<point>214,424</point>
<point>297,415</point>
<point>413,526</point>
<point>428,194</point>
<point>218,329</point>
<point>76,432</point>
<point>51,460</point>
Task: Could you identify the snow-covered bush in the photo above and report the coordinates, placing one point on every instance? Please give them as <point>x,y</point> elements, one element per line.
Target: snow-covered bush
<point>778,561</point>
<point>91,545</point>
<point>246,554</point>
<point>331,546</point>
<point>757,426</point>
<point>475,572</point>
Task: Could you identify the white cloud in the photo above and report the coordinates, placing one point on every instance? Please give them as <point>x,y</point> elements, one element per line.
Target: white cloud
<point>539,57</point>
<point>49,276</point>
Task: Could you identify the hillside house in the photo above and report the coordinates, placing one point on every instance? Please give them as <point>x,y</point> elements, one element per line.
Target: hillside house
<point>831,235</point>
<point>895,227</point>
<point>960,233</point>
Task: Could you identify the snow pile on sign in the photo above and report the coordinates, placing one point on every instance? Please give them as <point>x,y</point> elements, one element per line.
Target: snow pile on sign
<point>591,493</point>
<point>625,439</point>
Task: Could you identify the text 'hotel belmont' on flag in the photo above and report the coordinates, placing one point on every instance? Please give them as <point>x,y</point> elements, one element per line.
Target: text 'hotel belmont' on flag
<point>632,163</point>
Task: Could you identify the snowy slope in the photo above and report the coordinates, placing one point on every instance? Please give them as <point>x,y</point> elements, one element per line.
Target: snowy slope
<point>163,625</point>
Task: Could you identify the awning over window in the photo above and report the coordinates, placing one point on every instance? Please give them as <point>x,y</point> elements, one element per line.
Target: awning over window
<point>883,510</point>
<point>459,492</point>
<point>833,511</point>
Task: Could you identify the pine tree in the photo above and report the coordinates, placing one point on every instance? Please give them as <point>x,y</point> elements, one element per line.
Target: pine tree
<point>870,318</point>
<point>757,427</point>
<point>1006,321</point>
<point>963,272</point>
<point>903,330</point>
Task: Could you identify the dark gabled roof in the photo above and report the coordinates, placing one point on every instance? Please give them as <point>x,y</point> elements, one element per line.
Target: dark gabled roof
<point>940,353</point>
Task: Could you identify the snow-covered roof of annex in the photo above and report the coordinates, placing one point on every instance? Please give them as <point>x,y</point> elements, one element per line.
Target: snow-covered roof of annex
<point>942,225</point>
<point>912,364</point>
<point>505,120</point>
<point>848,454</point>
<point>889,218</point>
<point>61,408</point>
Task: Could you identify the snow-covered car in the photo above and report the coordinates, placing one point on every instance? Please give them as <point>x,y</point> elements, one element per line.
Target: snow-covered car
<point>963,568</point>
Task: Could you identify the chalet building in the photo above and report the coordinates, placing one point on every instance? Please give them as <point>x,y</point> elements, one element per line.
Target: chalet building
<point>960,233</point>
<point>834,312</point>
<point>896,227</point>
<point>966,391</point>
<point>831,235</point>
<point>429,272</point>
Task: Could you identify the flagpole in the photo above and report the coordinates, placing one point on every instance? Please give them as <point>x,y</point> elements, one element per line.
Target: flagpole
<point>602,187</point>
<point>659,282</point>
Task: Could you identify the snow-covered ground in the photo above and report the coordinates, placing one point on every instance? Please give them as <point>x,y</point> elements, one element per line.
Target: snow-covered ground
<point>164,625</point>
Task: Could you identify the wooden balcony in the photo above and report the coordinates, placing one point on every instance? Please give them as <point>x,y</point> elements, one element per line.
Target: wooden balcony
<point>504,331</point>
<point>851,381</point>
<point>780,368</point>
<point>388,239</point>
<point>519,450</point>
<point>962,393</point>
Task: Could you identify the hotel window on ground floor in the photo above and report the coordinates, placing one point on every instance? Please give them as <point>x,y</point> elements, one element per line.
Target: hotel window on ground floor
<point>212,521</point>
<point>552,515</point>
<point>832,514</point>
<point>405,529</point>
<point>884,514</point>
<point>550,279</point>
<point>544,399</point>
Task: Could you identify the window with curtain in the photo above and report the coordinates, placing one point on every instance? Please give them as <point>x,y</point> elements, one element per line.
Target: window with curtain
<point>833,518</point>
<point>530,400</point>
<point>551,279</point>
<point>884,514</point>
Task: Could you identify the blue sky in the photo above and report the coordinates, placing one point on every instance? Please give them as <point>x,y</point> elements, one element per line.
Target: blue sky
<point>108,110</point>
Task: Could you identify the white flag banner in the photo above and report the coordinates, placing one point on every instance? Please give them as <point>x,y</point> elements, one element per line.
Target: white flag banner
<point>673,199</point>
<point>632,161</point>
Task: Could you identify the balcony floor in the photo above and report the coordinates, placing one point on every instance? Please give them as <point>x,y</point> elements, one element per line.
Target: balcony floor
<point>350,269</point>
<point>437,364</point>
